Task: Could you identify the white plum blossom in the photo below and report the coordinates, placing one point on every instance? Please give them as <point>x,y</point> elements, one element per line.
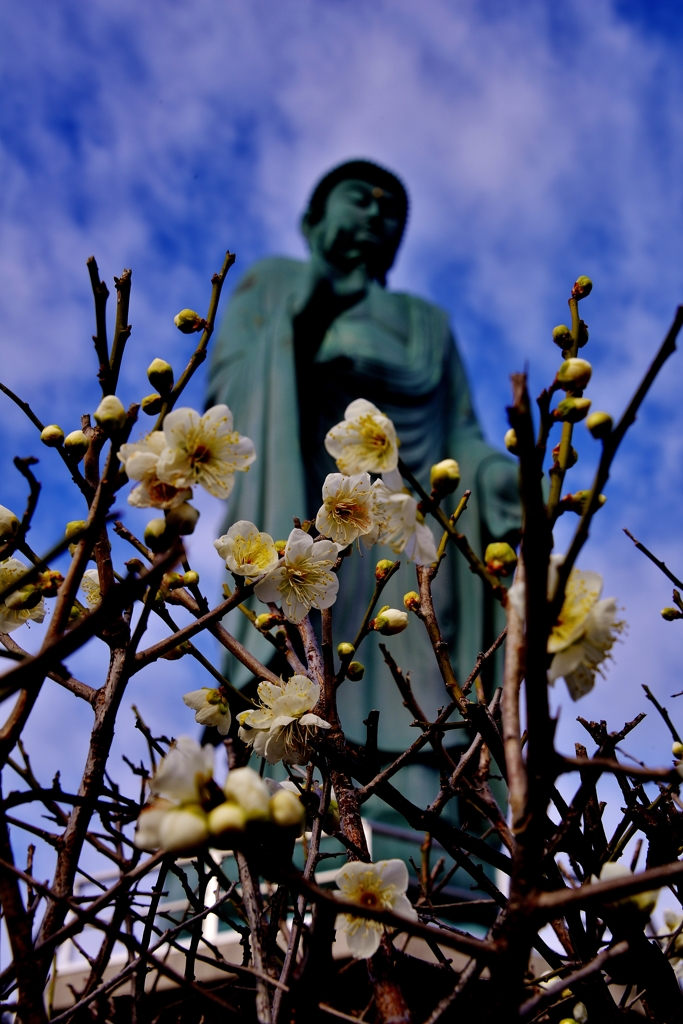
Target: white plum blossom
<point>140,459</point>
<point>249,798</point>
<point>183,829</point>
<point>203,450</point>
<point>9,524</point>
<point>184,772</point>
<point>11,616</point>
<point>401,526</point>
<point>347,509</point>
<point>287,810</point>
<point>280,728</point>
<point>149,820</point>
<point>380,886</point>
<point>90,585</point>
<point>302,579</point>
<point>643,902</point>
<point>390,621</point>
<point>176,820</point>
<point>365,441</point>
<point>211,708</point>
<point>246,551</point>
<point>246,788</point>
<point>585,631</point>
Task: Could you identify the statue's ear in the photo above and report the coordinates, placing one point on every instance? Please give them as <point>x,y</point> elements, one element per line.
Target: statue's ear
<point>306,227</point>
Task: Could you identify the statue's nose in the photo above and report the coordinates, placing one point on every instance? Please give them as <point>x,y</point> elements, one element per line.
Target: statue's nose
<point>373,212</point>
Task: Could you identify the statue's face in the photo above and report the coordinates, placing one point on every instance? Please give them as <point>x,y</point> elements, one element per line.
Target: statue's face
<point>362,225</point>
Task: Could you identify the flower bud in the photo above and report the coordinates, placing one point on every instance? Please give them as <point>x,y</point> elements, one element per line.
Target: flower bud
<point>500,559</point>
<point>383,568</point>
<point>345,650</point>
<point>444,477</point>
<point>265,621</point>
<point>155,535</point>
<point>677,749</point>
<point>176,653</point>
<point>9,524</point>
<point>390,621</point>
<point>247,788</point>
<point>191,578</point>
<point>583,286</point>
<point>331,820</point>
<point>510,440</point>
<point>671,613</point>
<point>599,424</point>
<point>411,601</point>
<point>151,404</point>
<point>583,333</point>
<point>580,1013</point>
<point>640,903</point>
<point>110,414</point>
<point>286,809</point>
<point>572,458</point>
<point>76,444</point>
<point>74,616</point>
<point>182,519</point>
<point>578,502</point>
<point>355,671</point>
<point>280,546</point>
<point>183,829</point>
<point>571,410</point>
<point>52,436</point>
<point>171,581</point>
<point>147,827</point>
<point>160,375</point>
<point>75,528</point>
<point>574,374</point>
<point>562,336</point>
<point>227,817</point>
<point>49,582</point>
<point>188,321</point>
<point>134,565</point>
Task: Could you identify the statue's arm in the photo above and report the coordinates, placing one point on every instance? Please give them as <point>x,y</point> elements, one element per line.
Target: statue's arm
<point>258,298</point>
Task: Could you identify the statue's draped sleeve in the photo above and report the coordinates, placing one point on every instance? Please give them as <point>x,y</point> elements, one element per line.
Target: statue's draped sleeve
<point>417,379</point>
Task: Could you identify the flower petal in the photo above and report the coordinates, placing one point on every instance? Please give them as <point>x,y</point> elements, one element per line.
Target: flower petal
<point>402,907</point>
<point>267,589</point>
<point>363,937</point>
<point>196,699</point>
<point>393,872</point>
<point>314,720</point>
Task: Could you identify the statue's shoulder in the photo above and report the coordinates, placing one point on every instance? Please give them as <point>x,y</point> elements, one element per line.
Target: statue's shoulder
<point>268,278</point>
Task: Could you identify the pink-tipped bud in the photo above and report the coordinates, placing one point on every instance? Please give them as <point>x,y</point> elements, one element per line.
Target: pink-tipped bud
<point>500,559</point>
<point>383,568</point>
<point>583,286</point>
<point>188,321</point>
<point>572,410</point>
<point>574,374</point>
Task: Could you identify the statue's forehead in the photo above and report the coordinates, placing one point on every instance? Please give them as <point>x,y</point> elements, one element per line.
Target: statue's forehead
<point>349,184</point>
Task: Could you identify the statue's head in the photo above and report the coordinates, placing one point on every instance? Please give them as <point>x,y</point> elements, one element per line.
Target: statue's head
<point>356,215</point>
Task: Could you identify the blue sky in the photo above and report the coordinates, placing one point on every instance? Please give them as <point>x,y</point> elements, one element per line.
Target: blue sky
<point>538,142</point>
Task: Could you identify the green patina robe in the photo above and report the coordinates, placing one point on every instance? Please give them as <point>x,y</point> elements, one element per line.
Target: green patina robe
<point>397,351</point>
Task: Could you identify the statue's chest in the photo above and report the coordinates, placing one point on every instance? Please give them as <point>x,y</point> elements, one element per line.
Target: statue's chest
<point>376,330</point>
